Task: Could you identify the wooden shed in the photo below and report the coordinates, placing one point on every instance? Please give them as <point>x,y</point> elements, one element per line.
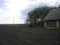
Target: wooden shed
<point>52,20</point>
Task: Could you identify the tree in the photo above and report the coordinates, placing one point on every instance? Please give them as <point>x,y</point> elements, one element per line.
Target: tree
<point>37,15</point>
<point>59,6</point>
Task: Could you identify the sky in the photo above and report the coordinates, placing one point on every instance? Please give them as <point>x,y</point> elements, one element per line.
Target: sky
<point>15,11</point>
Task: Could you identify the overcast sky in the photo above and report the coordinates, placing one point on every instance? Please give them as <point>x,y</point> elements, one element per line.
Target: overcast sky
<point>16,10</point>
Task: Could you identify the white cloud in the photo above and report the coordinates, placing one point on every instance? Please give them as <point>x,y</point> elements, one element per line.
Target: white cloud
<point>13,7</point>
<point>57,3</point>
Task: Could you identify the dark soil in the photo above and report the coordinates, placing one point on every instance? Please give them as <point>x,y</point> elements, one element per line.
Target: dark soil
<point>28,36</point>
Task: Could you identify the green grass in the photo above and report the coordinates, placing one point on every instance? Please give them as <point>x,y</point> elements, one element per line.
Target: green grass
<point>14,25</point>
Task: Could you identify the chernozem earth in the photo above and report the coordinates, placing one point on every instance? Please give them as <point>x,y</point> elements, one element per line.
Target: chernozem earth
<point>28,36</point>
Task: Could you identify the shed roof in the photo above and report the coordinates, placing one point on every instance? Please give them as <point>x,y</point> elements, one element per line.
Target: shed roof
<point>53,15</point>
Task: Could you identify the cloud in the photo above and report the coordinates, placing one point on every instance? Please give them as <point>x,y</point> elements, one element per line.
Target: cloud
<point>57,3</point>
<point>16,10</point>
<point>36,4</point>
